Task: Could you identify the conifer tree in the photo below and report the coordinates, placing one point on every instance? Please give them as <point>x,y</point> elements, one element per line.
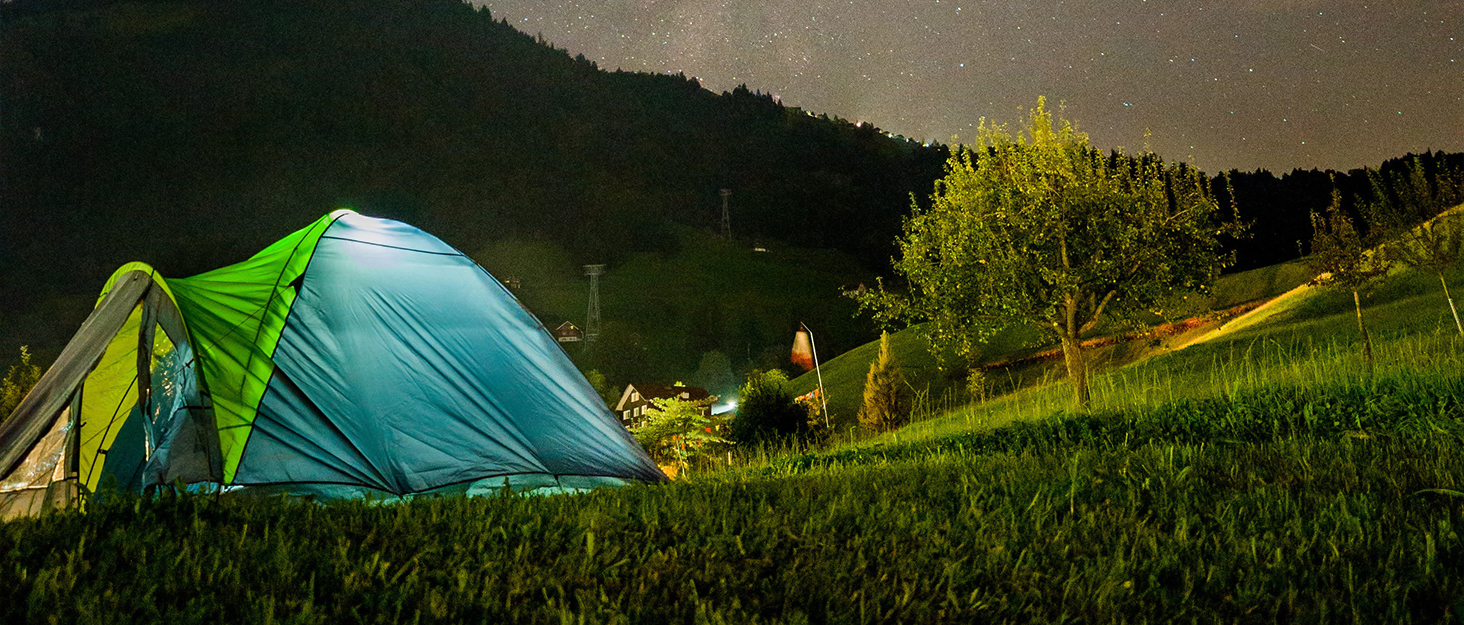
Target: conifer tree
<point>886,398</point>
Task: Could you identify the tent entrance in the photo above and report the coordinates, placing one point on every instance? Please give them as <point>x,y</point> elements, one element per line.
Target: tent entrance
<point>123,406</point>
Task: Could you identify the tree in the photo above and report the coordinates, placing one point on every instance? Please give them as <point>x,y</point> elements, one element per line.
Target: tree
<point>1042,229</point>
<point>607,393</point>
<point>886,398</point>
<point>19,380</point>
<point>766,411</point>
<point>675,430</point>
<point>1342,258</point>
<point>1422,234</point>
<point>714,373</point>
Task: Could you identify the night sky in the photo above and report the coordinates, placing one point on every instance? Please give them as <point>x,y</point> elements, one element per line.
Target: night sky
<point>1244,84</point>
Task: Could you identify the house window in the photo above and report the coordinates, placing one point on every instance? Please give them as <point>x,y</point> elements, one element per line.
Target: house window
<point>634,396</point>
<point>627,415</point>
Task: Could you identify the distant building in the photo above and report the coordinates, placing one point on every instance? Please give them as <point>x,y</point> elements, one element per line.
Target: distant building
<point>636,400</point>
<point>569,333</point>
<point>512,282</point>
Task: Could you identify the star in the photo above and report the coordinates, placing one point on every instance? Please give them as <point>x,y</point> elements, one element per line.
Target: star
<point>926,69</point>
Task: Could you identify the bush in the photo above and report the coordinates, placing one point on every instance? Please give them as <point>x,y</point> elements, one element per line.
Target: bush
<point>675,431</point>
<point>17,383</point>
<point>886,397</point>
<point>977,384</point>
<point>766,410</point>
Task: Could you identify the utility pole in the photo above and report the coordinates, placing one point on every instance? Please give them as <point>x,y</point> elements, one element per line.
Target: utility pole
<point>592,316</point>
<point>726,217</point>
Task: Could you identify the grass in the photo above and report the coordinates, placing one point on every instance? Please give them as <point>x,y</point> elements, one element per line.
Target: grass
<point>1263,508</point>
<point>1263,476</point>
<point>1307,341</point>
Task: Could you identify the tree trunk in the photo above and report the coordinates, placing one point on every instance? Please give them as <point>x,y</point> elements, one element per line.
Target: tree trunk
<point>1366,340</point>
<point>1077,369</point>
<point>1451,304</point>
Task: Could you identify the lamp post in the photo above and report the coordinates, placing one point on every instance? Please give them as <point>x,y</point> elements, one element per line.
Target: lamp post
<point>822,396</point>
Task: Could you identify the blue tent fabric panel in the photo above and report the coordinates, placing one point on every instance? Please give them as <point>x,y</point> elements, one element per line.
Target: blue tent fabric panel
<point>125,459</point>
<point>404,367</point>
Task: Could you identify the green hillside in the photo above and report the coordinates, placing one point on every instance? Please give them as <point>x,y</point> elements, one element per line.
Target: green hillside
<point>942,390</point>
<point>663,312</point>
<point>1307,340</point>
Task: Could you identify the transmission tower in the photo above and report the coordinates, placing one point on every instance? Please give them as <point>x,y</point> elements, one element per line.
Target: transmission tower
<point>592,316</point>
<point>726,217</point>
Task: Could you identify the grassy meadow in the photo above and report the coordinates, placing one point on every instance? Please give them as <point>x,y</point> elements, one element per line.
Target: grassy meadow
<point>1264,475</point>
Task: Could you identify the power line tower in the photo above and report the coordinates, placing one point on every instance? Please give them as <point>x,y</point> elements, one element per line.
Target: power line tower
<point>726,217</point>
<point>592,316</point>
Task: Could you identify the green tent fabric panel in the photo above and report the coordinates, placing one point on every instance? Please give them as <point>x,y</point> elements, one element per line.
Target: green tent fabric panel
<point>136,266</point>
<point>109,396</point>
<point>235,316</point>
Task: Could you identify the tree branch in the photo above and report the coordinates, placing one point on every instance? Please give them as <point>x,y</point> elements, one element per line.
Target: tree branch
<point>1098,312</point>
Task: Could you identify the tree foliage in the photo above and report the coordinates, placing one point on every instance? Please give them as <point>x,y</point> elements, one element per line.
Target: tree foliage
<point>886,404</point>
<point>1038,227</point>
<point>608,394</point>
<point>714,373</point>
<point>675,430</point>
<point>767,411</point>
<point>1412,209</point>
<point>1347,259</point>
<point>19,380</point>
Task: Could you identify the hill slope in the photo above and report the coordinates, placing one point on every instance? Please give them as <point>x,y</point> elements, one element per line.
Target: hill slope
<point>942,388</point>
<point>190,134</point>
<point>664,313</point>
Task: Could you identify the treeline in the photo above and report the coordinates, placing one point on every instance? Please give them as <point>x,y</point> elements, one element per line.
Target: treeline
<point>190,134</point>
<point>1278,209</point>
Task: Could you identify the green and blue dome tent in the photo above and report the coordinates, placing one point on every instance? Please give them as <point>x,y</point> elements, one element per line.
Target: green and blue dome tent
<point>357,356</point>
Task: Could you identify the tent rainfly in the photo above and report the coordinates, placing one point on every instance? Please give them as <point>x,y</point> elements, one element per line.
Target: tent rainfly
<point>355,357</point>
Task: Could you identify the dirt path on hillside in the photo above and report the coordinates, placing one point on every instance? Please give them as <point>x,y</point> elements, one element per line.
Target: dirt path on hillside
<point>1244,319</point>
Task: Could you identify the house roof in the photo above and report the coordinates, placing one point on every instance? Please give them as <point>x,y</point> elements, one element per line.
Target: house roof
<point>659,391</point>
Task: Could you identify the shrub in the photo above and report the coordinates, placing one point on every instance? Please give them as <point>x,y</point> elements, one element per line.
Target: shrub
<point>17,383</point>
<point>886,398</point>
<point>977,384</point>
<point>766,410</point>
<point>816,424</point>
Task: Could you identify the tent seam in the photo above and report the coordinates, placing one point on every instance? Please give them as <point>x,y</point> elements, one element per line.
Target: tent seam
<point>284,320</point>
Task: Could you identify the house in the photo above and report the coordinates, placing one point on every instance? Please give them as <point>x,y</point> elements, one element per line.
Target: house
<point>568,333</point>
<point>636,400</point>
